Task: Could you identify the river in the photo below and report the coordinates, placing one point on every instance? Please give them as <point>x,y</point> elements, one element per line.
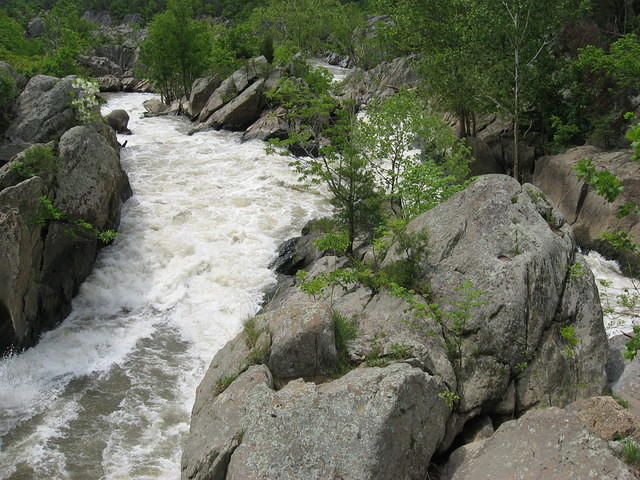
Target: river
<point>108,394</point>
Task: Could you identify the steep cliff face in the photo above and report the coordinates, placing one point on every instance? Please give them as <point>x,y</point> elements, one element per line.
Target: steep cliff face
<point>512,310</point>
<point>51,214</point>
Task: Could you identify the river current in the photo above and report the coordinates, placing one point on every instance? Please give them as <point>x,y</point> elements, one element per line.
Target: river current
<point>108,394</point>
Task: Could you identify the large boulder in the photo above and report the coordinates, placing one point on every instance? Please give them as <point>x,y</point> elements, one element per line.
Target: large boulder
<point>512,321</point>
<point>118,120</point>
<point>242,111</point>
<point>588,213</point>
<point>382,81</point>
<point>43,257</point>
<point>271,124</point>
<point>549,443</point>
<point>43,110</point>
<point>101,66</point>
<point>200,92</point>
<point>372,423</point>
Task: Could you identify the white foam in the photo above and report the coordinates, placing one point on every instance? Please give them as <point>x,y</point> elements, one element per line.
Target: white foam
<point>613,287</point>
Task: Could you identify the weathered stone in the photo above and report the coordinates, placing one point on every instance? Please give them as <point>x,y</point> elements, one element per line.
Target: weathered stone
<point>154,107</point>
<point>372,423</point>
<point>240,112</point>
<point>627,386</point>
<point>549,444</point>
<point>589,214</point>
<point>101,66</point>
<point>616,363</point>
<point>98,17</point>
<point>118,120</point>
<point>109,83</point>
<point>200,92</point>
<point>43,110</point>
<point>20,252</point>
<point>302,340</point>
<point>605,418</point>
<point>271,124</point>
<point>380,82</point>
<point>226,92</point>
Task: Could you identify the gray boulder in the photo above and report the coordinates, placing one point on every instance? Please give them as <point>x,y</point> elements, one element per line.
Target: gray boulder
<point>589,214</point>
<point>507,356</point>
<point>118,120</point>
<point>382,81</point>
<point>35,28</point>
<point>200,92</point>
<point>43,110</point>
<point>124,55</point>
<point>549,443</point>
<point>271,124</point>
<point>133,19</point>
<point>242,111</point>
<point>101,66</point>
<point>154,107</point>
<point>226,92</point>
<point>372,423</point>
<point>109,83</point>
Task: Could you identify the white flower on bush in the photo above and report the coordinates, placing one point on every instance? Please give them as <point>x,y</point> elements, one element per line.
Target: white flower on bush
<point>86,99</point>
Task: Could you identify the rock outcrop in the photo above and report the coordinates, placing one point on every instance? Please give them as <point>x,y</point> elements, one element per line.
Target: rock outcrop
<point>381,81</point>
<point>43,110</point>
<point>49,224</point>
<point>273,402</point>
<point>549,443</point>
<point>589,214</point>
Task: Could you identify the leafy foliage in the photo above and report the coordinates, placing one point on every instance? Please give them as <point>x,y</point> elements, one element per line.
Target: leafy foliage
<point>38,160</point>
<point>176,50</point>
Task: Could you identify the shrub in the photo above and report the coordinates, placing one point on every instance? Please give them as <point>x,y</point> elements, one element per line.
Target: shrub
<point>38,160</point>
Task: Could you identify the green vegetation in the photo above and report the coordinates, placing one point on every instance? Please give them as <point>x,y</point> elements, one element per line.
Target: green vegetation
<point>345,330</point>
<point>633,345</point>
<point>175,50</point>
<point>39,160</point>
<point>631,452</point>
<point>222,384</point>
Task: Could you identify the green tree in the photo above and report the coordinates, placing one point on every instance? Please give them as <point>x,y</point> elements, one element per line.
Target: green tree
<point>176,50</point>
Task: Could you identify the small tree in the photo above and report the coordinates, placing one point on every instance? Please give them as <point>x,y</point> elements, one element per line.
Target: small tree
<point>176,50</point>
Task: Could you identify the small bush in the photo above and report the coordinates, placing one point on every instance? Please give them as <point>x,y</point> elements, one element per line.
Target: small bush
<point>251,332</point>
<point>38,160</point>
<point>631,452</point>
<point>222,384</point>
<point>345,331</point>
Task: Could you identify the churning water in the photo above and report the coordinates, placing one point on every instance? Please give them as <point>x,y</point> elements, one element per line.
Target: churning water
<point>108,394</point>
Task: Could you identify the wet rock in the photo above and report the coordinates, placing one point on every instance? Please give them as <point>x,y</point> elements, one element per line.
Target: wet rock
<point>549,443</point>
<point>589,214</point>
<point>154,107</point>
<point>118,120</point>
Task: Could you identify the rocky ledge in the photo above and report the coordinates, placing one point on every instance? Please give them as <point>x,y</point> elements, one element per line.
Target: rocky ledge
<point>63,189</point>
<point>289,398</point>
